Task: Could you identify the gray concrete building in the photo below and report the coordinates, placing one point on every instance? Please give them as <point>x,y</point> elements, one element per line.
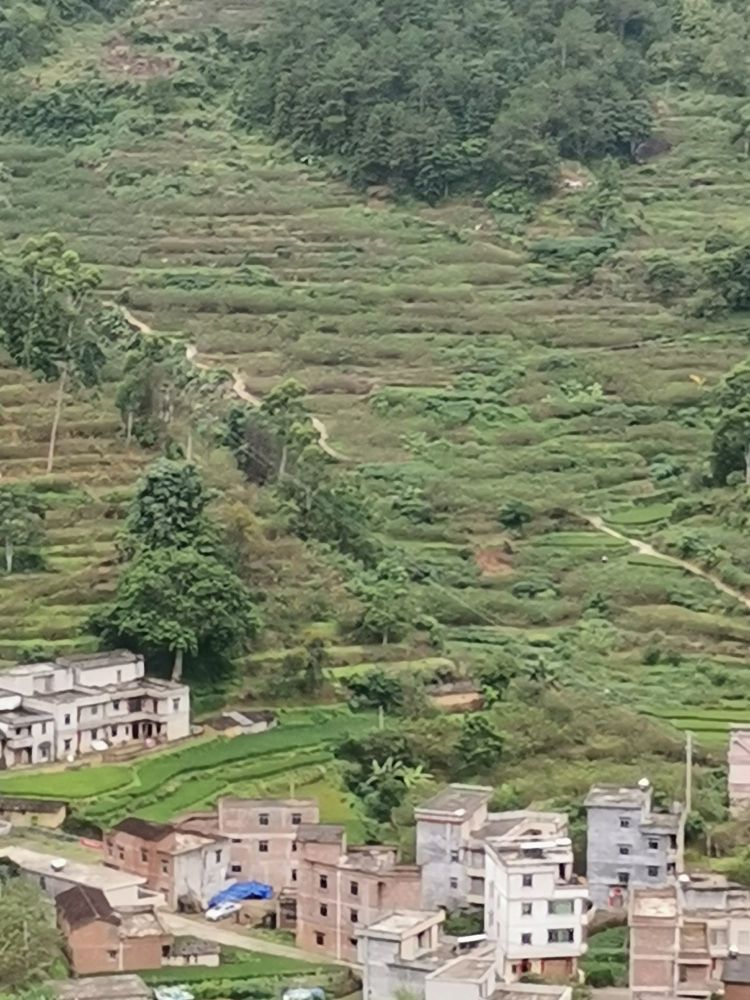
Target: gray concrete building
<point>629,843</point>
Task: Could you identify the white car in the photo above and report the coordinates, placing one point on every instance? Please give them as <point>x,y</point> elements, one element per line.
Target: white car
<point>222,910</point>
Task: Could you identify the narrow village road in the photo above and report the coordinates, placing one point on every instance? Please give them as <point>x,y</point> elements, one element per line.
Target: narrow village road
<point>222,933</point>
<point>646,549</point>
<point>239,385</point>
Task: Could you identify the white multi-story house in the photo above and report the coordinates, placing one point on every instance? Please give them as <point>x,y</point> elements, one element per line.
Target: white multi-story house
<point>535,906</point>
<point>79,704</point>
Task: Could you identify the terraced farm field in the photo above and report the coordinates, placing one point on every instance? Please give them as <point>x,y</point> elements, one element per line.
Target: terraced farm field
<point>291,759</point>
<point>443,350</point>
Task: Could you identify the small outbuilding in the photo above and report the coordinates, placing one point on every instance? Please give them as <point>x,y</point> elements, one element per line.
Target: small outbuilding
<point>47,813</point>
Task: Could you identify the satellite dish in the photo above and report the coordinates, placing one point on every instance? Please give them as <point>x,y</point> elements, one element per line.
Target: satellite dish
<point>57,864</point>
<point>644,784</point>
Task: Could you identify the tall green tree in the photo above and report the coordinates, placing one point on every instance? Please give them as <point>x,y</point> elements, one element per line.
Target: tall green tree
<point>289,419</point>
<point>21,513</point>
<point>182,601</point>
<point>52,323</point>
<point>30,945</point>
<point>169,509</point>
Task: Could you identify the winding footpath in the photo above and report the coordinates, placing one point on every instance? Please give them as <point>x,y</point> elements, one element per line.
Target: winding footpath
<point>646,549</point>
<point>239,385</point>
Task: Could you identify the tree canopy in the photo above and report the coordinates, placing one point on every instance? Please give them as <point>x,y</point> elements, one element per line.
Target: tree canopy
<point>432,97</point>
<point>29,941</point>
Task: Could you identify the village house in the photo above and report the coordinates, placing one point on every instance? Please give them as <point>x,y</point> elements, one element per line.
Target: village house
<point>186,867</point>
<point>404,954</point>
<point>341,889</point>
<point>262,835</point>
<point>86,703</point>
<point>738,780</point>
<point>100,939</point>
<point>536,908</point>
<point>55,875</point>
<point>681,935</point>
<point>47,813</point>
<point>629,843</point>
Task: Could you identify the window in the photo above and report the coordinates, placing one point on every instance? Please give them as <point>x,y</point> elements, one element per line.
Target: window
<point>354,888</point>
<point>560,936</point>
<point>236,869</point>
<point>94,710</point>
<point>683,973</point>
<point>119,677</point>
<point>323,881</point>
<point>165,866</point>
<point>624,849</point>
<point>67,744</point>
<point>175,704</point>
<point>112,955</point>
<point>218,857</point>
<point>558,907</point>
<point>121,853</point>
<point>263,846</point>
<point>324,909</point>
<point>116,705</point>
<point>354,916</point>
<point>353,942</point>
<point>526,939</point>
<point>294,847</point>
<point>320,939</point>
<point>114,730</point>
<point>67,720</point>
<point>653,871</point>
<point>44,727</point>
<point>623,878</point>
<point>296,819</point>
<point>454,883</point>
<point>526,909</point>
<point>144,854</point>
<point>653,844</point>
<point>166,950</point>
<point>455,856</point>
<point>527,881</point>
<point>624,822</point>
<point>294,874</point>
<point>263,819</point>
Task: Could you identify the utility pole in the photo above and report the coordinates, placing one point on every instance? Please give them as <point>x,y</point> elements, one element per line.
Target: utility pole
<point>688,805</point>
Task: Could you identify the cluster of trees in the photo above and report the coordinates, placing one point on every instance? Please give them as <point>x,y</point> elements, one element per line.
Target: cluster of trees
<point>28,31</point>
<point>30,944</point>
<point>179,592</point>
<point>51,322</point>
<point>431,98</point>
<point>730,450</point>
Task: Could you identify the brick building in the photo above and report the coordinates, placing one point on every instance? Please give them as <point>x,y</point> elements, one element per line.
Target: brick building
<point>101,939</point>
<point>736,978</point>
<point>262,835</point>
<point>341,889</point>
<point>187,867</point>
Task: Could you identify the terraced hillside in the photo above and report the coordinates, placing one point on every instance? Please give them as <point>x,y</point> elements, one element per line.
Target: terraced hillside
<point>450,350</point>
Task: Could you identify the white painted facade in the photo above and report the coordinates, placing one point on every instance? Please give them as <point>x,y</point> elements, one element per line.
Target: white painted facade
<point>52,711</point>
<point>535,907</point>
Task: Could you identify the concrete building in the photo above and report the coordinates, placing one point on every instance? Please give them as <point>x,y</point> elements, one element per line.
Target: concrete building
<point>738,781</point>
<point>736,978</point>
<point>404,953</point>
<point>628,842</point>
<point>47,813</point>
<point>262,835</point>
<point>55,875</point>
<point>450,848</point>
<point>341,889</point>
<point>186,867</point>
<point>535,906</point>
<point>682,935</point>
<point>101,939</point>
<point>81,704</point>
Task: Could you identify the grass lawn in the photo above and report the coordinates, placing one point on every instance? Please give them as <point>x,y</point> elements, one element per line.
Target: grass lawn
<point>251,967</point>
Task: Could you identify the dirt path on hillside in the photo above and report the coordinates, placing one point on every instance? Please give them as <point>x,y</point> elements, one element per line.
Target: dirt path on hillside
<point>239,385</point>
<point>646,549</point>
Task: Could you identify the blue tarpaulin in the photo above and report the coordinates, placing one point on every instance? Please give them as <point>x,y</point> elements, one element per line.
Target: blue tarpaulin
<point>242,890</point>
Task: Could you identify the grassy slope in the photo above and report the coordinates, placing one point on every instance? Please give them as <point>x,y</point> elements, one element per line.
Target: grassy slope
<point>367,297</point>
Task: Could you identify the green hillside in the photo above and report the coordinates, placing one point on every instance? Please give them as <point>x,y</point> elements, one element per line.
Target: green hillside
<point>470,360</point>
